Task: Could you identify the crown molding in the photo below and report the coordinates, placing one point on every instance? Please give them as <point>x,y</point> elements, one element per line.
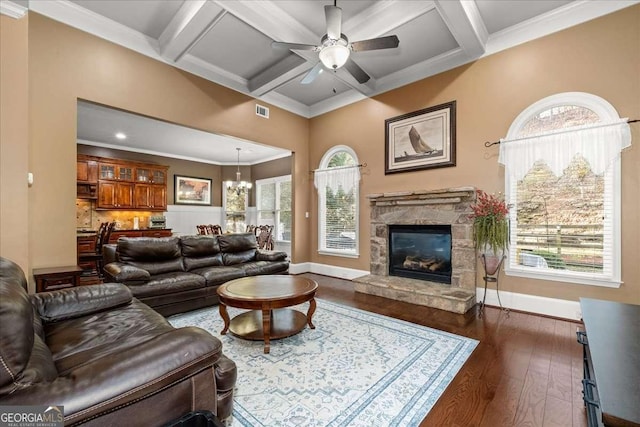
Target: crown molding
<point>556,20</point>
<point>12,10</point>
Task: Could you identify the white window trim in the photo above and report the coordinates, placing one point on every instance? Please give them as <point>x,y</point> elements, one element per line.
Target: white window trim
<point>322,250</point>
<point>273,180</point>
<point>606,112</point>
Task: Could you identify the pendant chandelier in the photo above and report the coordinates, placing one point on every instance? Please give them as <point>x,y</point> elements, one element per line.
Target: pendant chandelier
<point>240,187</point>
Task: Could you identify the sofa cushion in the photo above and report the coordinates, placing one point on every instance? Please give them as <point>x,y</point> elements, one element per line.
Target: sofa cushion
<point>234,258</point>
<point>81,340</point>
<point>16,333</point>
<point>200,251</point>
<point>161,284</point>
<point>256,268</point>
<point>148,249</point>
<point>219,275</point>
<point>199,246</point>
<point>262,255</point>
<point>239,242</point>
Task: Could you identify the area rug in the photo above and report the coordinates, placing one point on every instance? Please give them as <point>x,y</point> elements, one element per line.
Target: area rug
<point>355,369</point>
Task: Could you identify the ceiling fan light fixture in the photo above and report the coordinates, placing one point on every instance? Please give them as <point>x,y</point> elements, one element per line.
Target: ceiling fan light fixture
<point>334,56</point>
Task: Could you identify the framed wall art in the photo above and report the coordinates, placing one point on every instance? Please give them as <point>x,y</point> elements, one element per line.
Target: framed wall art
<point>422,139</point>
<point>189,190</point>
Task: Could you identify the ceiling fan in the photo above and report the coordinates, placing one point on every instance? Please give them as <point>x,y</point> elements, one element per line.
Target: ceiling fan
<point>335,49</point>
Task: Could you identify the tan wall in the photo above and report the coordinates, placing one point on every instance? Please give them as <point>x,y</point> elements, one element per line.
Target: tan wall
<point>601,57</point>
<point>66,64</point>
<point>14,140</point>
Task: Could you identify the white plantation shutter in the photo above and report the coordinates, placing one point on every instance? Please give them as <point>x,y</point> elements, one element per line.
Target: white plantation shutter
<point>338,202</point>
<point>273,200</point>
<point>563,187</point>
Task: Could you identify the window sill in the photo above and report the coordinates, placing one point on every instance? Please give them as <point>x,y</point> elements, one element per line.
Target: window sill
<point>340,254</point>
<point>577,278</point>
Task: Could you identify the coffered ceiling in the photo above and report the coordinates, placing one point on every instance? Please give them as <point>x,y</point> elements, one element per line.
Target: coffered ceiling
<point>229,41</point>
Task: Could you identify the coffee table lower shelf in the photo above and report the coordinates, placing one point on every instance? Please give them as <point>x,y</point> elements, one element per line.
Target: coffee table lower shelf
<point>285,322</point>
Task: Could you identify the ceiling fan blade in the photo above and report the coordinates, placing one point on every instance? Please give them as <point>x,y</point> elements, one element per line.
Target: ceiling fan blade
<point>357,72</point>
<point>293,46</point>
<point>387,42</point>
<point>333,14</point>
<point>311,75</point>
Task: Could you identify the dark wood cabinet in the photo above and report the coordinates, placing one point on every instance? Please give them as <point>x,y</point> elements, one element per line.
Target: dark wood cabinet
<point>122,184</point>
<point>87,177</point>
<point>53,278</point>
<point>151,196</point>
<point>115,195</point>
<point>87,170</point>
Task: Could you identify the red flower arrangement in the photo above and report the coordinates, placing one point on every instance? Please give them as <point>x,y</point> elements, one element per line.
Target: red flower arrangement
<point>490,225</point>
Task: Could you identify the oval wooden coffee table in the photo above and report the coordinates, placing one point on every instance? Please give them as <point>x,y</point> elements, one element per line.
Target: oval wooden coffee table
<point>267,297</point>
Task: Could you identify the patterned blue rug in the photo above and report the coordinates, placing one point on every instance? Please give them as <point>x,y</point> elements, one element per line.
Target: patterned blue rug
<point>355,369</point>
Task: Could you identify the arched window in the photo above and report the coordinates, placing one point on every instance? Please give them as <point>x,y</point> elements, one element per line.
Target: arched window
<point>337,181</point>
<point>562,167</point>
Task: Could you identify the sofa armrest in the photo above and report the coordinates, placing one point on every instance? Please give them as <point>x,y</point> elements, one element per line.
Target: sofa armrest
<point>108,383</point>
<point>75,302</point>
<point>262,255</point>
<point>125,273</point>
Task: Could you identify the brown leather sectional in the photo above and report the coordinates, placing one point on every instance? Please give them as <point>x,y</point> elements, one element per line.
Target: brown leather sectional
<point>108,358</point>
<point>177,274</point>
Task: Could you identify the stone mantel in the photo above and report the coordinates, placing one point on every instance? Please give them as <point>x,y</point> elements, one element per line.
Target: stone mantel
<point>423,197</point>
<point>450,206</point>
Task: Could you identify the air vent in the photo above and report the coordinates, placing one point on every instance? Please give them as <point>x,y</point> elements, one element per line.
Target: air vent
<point>262,111</point>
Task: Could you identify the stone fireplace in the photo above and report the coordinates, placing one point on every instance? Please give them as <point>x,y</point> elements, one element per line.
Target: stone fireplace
<point>422,248</point>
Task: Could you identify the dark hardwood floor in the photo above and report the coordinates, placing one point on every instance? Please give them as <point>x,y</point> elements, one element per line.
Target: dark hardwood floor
<point>526,370</point>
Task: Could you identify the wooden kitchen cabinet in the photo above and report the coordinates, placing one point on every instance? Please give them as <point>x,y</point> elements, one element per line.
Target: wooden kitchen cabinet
<point>87,177</point>
<point>150,175</point>
<point>122,184</point>
<point>115,195</point>
<point>87,170</point>
<point>116,172</point>
<point>150,197</point>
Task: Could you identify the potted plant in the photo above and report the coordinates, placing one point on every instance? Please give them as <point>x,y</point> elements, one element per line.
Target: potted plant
<point>490,229</point>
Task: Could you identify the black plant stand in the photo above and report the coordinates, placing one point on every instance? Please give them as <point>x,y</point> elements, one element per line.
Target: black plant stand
<point>494,279</point>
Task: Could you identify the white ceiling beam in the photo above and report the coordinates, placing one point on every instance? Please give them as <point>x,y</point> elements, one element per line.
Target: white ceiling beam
<point>384,17</point>
<point>278,74</point>
<point>192,21</point>
<point>463,19</point>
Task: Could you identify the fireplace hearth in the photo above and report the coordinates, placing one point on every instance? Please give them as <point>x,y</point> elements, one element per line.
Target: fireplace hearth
<point>420,252</point>
<point>404,267</point>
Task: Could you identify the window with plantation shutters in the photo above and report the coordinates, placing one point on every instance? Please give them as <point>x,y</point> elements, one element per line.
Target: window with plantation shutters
<point>273,202</point>
<point>562,171</point>
<point>337,181</point>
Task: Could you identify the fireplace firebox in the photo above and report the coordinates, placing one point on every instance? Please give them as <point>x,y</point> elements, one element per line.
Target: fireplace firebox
<point>420,252</point>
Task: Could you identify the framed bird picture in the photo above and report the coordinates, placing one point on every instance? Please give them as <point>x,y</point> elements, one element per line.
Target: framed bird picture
<point>423,139</point>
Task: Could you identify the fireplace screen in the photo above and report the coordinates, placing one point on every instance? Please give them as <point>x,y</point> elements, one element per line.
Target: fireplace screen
<point>420,252</point>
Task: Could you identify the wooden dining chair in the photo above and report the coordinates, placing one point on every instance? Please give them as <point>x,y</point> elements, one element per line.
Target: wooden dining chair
<point>102,237</point>
<point>264,234</point>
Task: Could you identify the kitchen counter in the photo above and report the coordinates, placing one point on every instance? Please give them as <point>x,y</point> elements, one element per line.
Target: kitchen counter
<point>92,233</point>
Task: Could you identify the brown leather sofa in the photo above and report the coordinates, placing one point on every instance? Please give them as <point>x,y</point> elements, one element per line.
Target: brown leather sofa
<point>177,274</point>
<point>106,357</point>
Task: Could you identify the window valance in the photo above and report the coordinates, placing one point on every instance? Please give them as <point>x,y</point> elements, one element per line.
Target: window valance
<point>600,144</point>
<point>345,177</point>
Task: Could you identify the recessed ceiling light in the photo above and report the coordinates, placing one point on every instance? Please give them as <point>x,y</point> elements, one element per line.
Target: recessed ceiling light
<point>121,135</point>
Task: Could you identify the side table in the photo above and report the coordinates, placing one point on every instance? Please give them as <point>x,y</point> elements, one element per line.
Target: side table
<point>52,278</point>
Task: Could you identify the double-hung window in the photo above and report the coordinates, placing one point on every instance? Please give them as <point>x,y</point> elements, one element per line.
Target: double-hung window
<point>273,202</point>
<point>562,172</point>
<point>337,181</point>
